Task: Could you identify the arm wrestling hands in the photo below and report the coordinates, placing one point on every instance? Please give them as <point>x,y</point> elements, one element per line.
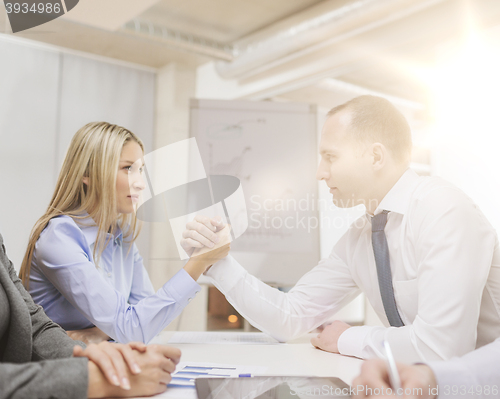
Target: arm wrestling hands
<point>417,381</point>
<point>200,233</point>
<point>148,371</point>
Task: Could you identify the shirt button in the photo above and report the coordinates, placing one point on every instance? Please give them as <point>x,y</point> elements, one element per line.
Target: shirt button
<point>109,274</point>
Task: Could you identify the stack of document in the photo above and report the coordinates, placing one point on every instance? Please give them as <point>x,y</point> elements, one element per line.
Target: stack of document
<point>182,384</point>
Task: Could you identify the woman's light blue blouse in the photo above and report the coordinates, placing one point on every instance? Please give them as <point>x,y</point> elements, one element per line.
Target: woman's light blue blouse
<point>117,296</point>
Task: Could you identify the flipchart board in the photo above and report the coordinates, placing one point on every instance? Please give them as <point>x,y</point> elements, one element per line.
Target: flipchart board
<point>272,149</point>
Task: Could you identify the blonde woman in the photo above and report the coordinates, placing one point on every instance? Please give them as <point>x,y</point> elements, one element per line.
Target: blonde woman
<point>82,265</point>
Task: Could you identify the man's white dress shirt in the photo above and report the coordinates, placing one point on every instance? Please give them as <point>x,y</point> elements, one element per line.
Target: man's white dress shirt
<point>475,375</point>
<point>445,263</point>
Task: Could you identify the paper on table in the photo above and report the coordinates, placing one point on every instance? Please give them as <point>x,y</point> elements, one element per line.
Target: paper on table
<point>204,337</point>
<point>182,384</point>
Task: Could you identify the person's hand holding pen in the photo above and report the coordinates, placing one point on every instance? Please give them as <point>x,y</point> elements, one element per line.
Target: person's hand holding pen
<point>417,381</point>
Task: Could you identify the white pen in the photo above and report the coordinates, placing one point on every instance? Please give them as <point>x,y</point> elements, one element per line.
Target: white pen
<point>393,370</point>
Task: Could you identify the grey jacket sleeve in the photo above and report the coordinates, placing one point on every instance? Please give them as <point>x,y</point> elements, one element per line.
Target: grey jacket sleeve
<point>50,341</point>
<point>474,375</point>
<point>58,379</point>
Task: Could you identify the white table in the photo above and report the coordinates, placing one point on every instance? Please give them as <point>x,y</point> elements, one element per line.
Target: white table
<point>297,357</point>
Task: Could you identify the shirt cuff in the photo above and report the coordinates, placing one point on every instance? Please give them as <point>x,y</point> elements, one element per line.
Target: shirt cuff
<point>351,341</point>
<point>226,273</point>
<point>181,288</point>
<point>451,375</point>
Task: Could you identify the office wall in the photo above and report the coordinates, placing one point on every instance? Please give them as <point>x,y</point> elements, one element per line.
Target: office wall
<point>46,95</point>
<point>175,86</point>
<point>466,133</point>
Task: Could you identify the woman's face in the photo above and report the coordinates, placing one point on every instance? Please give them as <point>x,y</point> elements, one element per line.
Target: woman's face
<point>129,181</point>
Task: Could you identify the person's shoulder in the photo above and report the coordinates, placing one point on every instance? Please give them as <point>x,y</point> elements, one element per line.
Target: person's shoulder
<point>61,230</point>
<point>59,241</point>
<point>434,190</point>
<point>62,224</point>
<point>426,184</point>
<point>435,197</point>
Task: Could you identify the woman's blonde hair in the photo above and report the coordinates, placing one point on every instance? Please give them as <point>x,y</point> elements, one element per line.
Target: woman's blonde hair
<point>94,153</point>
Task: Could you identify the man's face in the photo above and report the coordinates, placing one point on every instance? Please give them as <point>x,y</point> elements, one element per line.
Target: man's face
<point>346,164</point>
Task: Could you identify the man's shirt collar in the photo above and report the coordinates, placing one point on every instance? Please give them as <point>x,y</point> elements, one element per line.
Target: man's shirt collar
<point>398,198</point>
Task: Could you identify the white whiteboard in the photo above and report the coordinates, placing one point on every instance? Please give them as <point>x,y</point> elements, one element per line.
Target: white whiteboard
<point>272,149</point>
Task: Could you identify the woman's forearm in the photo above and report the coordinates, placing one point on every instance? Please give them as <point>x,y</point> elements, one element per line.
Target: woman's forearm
<point>197,265</point>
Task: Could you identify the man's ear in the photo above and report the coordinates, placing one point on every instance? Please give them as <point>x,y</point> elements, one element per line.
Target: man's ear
<point>85,180</point>
<point>379,154</point>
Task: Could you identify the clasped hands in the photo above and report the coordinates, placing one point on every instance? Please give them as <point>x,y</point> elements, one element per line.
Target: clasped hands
<point>200,233</point>
<point>128,369</point>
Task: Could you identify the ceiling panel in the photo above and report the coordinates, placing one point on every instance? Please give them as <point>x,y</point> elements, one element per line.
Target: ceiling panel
<point>108,44</point>
<point>218,20</point>
<point>384,60</point>
<point>107,14</point>
<point>222,20</point>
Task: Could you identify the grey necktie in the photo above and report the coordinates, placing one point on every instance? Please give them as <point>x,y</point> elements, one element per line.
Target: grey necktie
<point>381,252</point>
